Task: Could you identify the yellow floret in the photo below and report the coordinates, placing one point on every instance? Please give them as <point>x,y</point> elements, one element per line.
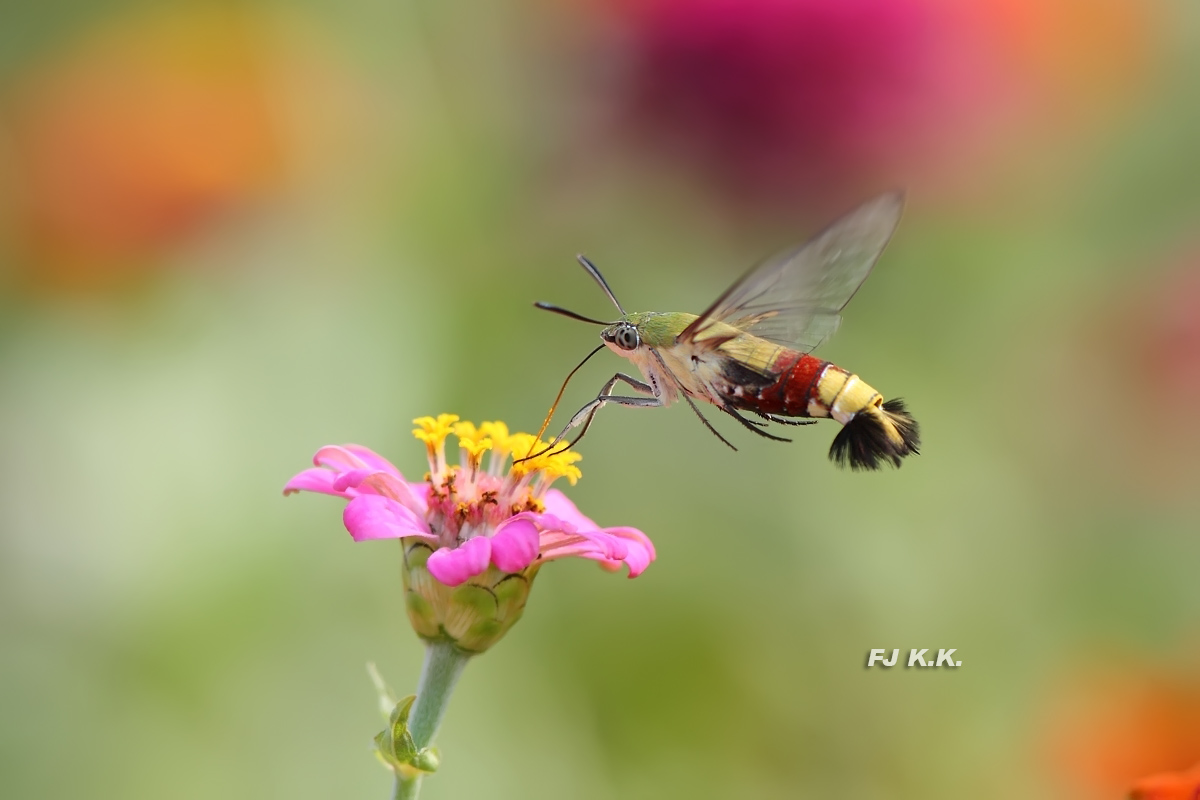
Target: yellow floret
<point>522,445</point>
<point>562,465</point>
<point>433,432</point>
<point>551,464</point>
<point>472,440</point>
<point>498,433</point>
<point>468,435</point>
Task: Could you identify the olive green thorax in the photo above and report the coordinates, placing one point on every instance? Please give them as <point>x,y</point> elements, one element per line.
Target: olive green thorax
<point>660,329</point>
<point>656,328</point>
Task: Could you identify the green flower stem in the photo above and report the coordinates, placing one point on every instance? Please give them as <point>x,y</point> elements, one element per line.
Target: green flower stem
<point>443,664</point>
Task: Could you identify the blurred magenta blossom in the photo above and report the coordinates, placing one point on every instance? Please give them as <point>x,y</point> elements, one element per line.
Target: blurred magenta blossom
<point>788,99</point>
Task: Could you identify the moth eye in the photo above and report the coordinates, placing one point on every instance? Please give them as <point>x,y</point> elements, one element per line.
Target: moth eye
<point>627,338</point>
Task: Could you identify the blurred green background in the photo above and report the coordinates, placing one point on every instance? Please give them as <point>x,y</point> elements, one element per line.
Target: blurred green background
<point>232,232</point>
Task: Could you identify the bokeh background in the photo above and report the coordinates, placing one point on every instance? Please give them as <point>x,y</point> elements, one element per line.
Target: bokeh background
<point>232,232</point>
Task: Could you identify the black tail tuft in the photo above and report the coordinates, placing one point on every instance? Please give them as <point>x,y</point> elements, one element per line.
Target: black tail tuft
<point>876,435</point>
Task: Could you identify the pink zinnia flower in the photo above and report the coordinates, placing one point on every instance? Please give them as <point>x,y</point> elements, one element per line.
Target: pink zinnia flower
<point>473,537</point>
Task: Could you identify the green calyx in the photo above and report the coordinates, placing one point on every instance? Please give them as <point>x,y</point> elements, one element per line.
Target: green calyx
<point>472,616</point>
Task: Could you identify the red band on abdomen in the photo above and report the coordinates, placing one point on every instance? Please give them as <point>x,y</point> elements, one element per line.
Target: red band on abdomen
<point>802,385</point>
<point>797,380</point>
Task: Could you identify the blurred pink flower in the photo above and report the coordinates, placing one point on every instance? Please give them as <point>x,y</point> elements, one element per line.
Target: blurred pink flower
<point>475,518</point>
<point>1172,328</point>
<point>789,99</point>
<point>1144,338</point>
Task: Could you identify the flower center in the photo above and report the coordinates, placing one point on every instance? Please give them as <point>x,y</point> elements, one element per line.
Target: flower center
<point>468,499</point>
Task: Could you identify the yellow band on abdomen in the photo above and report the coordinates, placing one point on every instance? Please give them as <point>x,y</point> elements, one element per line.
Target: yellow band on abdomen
<point>842,394</point>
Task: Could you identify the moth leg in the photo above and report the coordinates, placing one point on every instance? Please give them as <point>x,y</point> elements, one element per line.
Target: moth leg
<point>707,424</point>
<point>585,415</point>
<point>731,411</point>
<point>785,420</point>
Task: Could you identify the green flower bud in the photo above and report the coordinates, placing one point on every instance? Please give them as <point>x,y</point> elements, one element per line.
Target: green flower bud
<point>472,616</point>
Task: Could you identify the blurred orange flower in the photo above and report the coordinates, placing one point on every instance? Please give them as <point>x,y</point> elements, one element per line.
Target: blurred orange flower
<point>1169,786</point>
<point>1074,55</point>
<point>137,133</point>
<point>1108,730</point>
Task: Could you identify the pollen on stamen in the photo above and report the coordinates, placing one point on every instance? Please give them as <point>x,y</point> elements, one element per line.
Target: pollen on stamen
<point>530,504</point>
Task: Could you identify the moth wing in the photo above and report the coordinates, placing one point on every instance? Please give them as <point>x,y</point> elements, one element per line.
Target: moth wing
<point>795,299</point>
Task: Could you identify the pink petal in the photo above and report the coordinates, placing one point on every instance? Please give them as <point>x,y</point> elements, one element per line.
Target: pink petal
<point>370,481</point>
<point>412,495</point>
<point>314,479</point>
<point>561,537</point>
<point>640,550</point>
<point>337,458</point>
<point>589,544</point>
<point>577,547</point>
<point>453,566</point>
<point>560,506</point>
<point>514,545</point>
<point>373,460</point>
<point>420,491</point>
<point>350,479</point>
<point>611,547</point>
<point>373,516</point>
<point>633,535</point>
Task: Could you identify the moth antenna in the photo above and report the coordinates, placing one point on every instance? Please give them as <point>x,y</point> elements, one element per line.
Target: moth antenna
<point>595,273</point>
<point>566,313</point>
<point>554,407</point>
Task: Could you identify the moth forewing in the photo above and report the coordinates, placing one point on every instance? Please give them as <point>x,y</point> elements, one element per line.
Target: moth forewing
<point>794,297</point>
